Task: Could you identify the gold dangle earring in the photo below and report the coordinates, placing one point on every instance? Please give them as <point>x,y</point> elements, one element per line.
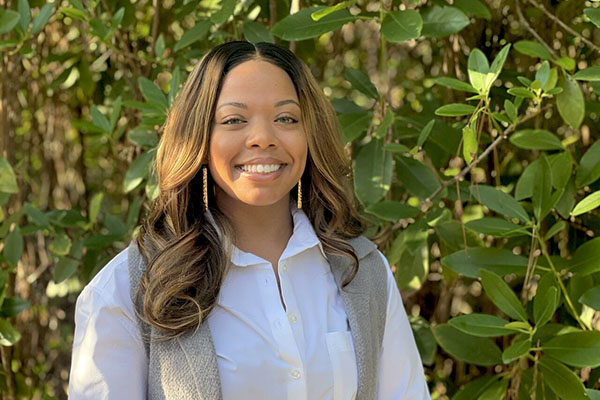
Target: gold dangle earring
<point>205,187</point>
<point>300,193</point>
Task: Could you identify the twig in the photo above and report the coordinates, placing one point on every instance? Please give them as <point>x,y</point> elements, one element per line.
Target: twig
<point>532,31</point>
<point>563,25</point>
<point>484,154</point>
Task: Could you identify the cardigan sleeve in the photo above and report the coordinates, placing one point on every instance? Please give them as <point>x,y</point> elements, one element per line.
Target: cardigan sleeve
<point>401,374</point>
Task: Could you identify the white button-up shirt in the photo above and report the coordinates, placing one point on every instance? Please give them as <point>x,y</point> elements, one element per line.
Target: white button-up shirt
<point>264,351</point>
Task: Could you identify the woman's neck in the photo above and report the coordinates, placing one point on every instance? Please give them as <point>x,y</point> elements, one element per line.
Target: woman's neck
<point>260,230</point>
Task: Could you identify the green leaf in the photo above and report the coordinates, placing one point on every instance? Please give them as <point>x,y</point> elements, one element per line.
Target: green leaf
<point>383,128</point>
<point>100,120</point>
<point>588,74</point>
<point>372,172</point>
<point>482,325</point>
<point>409,253</point>
<point>159,46</point>
<point>587,204</point>
<point>396,148</point>
<point>255,32</point>
<point>424,134</point>
<point>193,35</point>
<point>399,26</point>
<point>567,63</point>
<point>496,391</point>
<point>317,15</point>
<point>425,341</point>
<point>593,14</point>
<point>13,306</point>
<point>8,20</point>
<point>593,393</point>
<point>473,7</point>
<point>557,227</point>
<point>95,206</point>
<point>511,110</point>
<point>469,144</point>
<point>472,349</point>
<point>479,69</point>
<point>589,166</point>
<point>13,246</point>
<point>392,210</point>
<point>42,18</point>
<point>518,348</point>
<point>174,85</point>
<point>8,180</point>
<point>521,92</point>
<point>24,14</point>
<point>36,216</point>
<point>116,111</point>
<point>137,171</point>
<point>497,65</point>
<point>496,227</point>
<point>533,49</point>
<point>361,82</point>
<point>586,259</point>
<point>152,93</point>
<point>73,13</point>
<point>455,110</point>
<point>577,349</point>
<point>561,168</point>
<point>570,103</point>
<point>543,73</point>
<point>551,82</point>
<point>8,334</point>
<point>223,14</point>
<point>542,189</point>
<point>114,225</point>
<point>591,298</point>
<point>354,125</point>
<point>300,26</point>
<point>455,84</point>
<point>64,268</point>
<point>475,388</point>
<point>500,202</point>
<point>143,138</point>
<point>502,295</point>
<point>469,262</point>
<point>418,179</point>
<point>440,22</point>
<point>544,305</point>
<point>61,245</point>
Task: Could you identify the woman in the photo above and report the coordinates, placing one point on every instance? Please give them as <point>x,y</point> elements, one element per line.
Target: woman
<point>249,277</point>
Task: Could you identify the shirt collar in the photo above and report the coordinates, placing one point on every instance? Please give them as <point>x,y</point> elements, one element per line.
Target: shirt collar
<point>303,238</point>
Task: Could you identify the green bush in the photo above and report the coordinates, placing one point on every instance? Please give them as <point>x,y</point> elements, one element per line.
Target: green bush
<point>473,129</point>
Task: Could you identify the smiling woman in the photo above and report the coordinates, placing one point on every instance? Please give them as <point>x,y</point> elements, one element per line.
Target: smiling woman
<point>250,277</point>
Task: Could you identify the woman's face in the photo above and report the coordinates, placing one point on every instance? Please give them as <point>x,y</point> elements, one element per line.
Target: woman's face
<point>258,146</point>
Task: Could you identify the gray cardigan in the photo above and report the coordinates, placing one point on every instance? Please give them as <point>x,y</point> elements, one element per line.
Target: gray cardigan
<point>186,367</point>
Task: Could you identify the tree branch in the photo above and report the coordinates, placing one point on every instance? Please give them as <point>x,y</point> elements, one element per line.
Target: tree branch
<point>532,31</point>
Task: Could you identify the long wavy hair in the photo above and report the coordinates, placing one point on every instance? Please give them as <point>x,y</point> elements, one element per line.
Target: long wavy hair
<point>184,252</point>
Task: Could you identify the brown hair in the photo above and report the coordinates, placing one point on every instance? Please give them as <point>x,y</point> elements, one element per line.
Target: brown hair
<point>186,260</point>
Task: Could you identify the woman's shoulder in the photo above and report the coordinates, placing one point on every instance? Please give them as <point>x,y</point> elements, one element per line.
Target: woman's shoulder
<point>110,288</point>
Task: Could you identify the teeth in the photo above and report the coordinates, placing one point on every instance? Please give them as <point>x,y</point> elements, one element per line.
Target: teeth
<point>260,168</point>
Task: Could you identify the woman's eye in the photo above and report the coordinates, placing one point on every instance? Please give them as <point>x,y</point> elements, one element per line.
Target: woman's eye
<point>287,120</point>
<point>232,121</point>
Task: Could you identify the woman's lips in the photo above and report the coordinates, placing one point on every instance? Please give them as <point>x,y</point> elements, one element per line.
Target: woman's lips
<point>261,176</point>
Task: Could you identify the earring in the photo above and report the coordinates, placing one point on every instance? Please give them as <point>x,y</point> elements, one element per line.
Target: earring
<point>205,187</point>
<point>300,193</point>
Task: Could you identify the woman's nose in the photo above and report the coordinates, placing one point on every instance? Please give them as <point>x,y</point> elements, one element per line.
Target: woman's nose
<point>261,134</point>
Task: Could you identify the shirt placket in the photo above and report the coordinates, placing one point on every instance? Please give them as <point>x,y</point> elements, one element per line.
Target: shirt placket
<point>286,327</point>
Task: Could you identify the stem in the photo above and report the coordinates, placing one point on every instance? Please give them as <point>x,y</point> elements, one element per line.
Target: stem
<point>532,31</point>
<point>563,25</point>
<point>530,266</point>
<point>560,282</point>
<point>484,154</point>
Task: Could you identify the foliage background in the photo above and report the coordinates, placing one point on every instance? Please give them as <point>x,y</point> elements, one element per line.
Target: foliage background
<point>481,181</point>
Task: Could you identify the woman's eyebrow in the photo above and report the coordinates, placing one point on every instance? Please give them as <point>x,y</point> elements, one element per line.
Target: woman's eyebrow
<point>284,102</point>
<point>233,103</point>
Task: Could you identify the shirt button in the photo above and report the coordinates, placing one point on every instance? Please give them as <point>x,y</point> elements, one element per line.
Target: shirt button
<point>284,267</point>
<point>295,374</point>
<point>293,318</point>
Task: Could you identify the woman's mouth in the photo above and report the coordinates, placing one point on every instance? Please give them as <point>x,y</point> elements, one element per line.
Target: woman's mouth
<point>260,168</point>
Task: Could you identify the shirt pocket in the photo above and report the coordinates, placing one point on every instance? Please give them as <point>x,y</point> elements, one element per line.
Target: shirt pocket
<point>343,365</point>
